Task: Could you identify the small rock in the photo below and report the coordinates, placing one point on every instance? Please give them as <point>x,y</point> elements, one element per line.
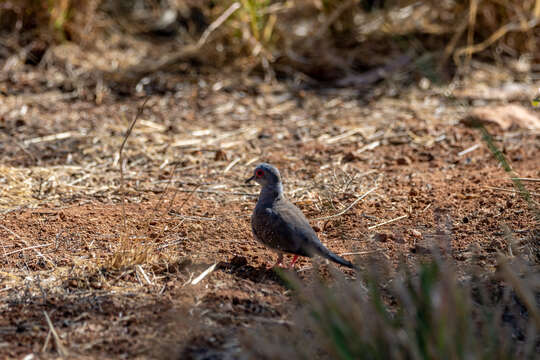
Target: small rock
<point>220,155</point>
<point>504,116</point>
<point>238,261</point>
<point>349,157</point>
<point>404,160</point>
<point>382,237</point>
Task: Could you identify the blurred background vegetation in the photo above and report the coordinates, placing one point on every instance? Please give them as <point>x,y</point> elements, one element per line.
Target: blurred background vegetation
<point>432,312</point>
<point>339,43</point>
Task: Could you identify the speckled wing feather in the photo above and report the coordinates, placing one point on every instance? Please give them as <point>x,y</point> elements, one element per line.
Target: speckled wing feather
<point>273,228</point>
<point>281,225</point>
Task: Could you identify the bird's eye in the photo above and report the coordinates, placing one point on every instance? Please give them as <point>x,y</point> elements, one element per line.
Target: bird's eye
<point>259,173</point>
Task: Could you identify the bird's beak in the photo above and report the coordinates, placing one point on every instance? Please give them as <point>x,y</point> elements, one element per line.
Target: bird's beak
<point>251,178</point>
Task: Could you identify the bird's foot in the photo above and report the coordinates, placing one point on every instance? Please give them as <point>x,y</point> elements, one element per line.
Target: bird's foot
<point>279,262</point>
<point>293,262</point>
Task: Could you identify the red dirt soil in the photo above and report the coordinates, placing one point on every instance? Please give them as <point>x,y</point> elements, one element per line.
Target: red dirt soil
<point>330,148</point>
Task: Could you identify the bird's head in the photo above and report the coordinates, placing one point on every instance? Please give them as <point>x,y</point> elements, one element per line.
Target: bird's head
<point>266,175</point>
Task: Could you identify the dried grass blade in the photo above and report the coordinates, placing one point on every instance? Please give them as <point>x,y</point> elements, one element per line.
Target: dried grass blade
<point>59,347</point>
<point>203,274</point>
<point>387,222</point>
<point>348,207</point>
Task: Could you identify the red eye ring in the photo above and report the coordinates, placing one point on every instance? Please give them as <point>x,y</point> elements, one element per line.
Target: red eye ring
<point>259,173</point>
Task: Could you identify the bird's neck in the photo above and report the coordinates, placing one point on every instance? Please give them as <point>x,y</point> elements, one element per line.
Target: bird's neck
<point>271,192</point>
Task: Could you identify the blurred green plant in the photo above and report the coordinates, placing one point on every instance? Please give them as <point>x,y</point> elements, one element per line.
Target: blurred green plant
<point>427,312</point>
<point>533,243</point>
<point>58,16</point>
<point>257,19</point>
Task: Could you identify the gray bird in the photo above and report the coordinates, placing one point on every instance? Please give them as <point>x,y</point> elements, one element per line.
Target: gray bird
<point>280,225</point>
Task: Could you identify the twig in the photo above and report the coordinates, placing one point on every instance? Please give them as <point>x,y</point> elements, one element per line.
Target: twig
<point>218,192</point>
<point>121,158</point>
<point>26,243</point>
<point>230,166</point>
<point>52,137</point>
<point>217,23</point>
<point>348,207</point>
<point>387,222</point>
<point>511,190</point>
<point>174,242</point>
<point>59,347</point>
<point>203,275</point>
<point>369,146</point>
<point>200,218</point>
<point>525,179</point>
<point>345,135</point>
<point>26,248</point>
<point>360,252</point>
<point>466,151</point>
<point>197,186</point>
<point>140,269</point>
<point>14,234</point>
<point>47,339</point>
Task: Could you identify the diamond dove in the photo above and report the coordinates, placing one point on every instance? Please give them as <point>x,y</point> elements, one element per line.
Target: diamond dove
<point>280,225</point>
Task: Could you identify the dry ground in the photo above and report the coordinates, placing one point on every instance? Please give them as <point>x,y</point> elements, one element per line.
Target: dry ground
<point>61,221</point>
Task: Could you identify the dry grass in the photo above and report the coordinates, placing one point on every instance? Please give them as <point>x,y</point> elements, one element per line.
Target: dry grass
<point>333,41</point>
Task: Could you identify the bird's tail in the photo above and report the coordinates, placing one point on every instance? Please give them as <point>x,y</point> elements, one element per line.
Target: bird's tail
<point>324,252</point>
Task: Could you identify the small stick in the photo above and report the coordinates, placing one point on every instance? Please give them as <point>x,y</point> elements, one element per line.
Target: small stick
<point>26,248</point>
<point>387,222</point>
<point>59,347</point>
<point>217,23</point>
<point>512,191</point>
<point>121,160</point>
<point>139,267</point>
<point>360,252</point>
<point>197,186</point>
<point>47,339</point>
<point>345,135</point>
<point>203,275</point>
<point>525,179</point>
<point>230,166</point>
<point>172,243</point>
<point>252,161</point>
<point>348,207</point>
<point>26,243</point>
<point>14,234</point>
<point>53,137</point>
<point>196,218</point>
<point>369,146</point>
<point>218,192</point>
<point>466,151</point>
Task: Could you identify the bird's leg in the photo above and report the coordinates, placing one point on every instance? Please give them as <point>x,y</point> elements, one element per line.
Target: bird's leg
<point>279,260</point>
<point>293,261</point>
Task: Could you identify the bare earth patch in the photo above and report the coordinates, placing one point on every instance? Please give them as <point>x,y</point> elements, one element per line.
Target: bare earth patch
<point>188,208</point>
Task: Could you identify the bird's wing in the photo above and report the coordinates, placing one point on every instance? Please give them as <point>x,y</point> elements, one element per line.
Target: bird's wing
<point>283,229</point>
<point>294,226</point>
<point>303,236</point>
